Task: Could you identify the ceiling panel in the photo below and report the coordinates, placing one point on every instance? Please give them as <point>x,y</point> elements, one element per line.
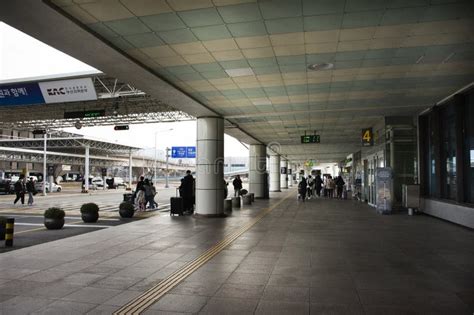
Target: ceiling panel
<point>394,56</point>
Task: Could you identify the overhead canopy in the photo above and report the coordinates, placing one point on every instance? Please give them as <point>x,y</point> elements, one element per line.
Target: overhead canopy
<point>248,61</point>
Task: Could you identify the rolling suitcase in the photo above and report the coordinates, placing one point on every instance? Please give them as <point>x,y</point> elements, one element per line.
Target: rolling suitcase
<point>177,205</point>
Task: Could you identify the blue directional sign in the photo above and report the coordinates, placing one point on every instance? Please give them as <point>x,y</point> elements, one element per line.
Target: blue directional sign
<point>21,94</point>
<point>191,152</point>
<point>178,152</point>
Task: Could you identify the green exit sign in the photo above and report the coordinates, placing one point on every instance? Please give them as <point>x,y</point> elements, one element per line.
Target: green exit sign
<point>310,139</point>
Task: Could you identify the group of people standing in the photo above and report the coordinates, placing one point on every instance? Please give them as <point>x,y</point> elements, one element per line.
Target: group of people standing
<point>316,186</point>
<point>145,194</point>
<point>22,187</point>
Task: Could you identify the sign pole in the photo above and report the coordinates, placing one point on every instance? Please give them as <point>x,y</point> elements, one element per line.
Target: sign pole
<point>154,165</point>
<point>45,137</point>
<point>167,157</point>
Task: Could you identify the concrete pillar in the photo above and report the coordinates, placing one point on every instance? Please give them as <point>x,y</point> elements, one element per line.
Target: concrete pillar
<point>210,166</point>
<point>130,180</point>
<point>257,169</point>
<point>275,173</point>
<point>290,175</point>
<point>284,177</point>
<point>86,170</point>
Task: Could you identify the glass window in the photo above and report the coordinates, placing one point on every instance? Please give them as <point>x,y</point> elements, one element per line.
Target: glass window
<point>448,152</point>
<point>432,177</point>
<point>469,165</point>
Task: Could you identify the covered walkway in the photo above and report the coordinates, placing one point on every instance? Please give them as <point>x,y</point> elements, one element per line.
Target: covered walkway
<point>319,257</point>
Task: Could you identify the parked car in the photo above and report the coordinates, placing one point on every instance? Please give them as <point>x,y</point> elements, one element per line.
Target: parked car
<point>97,181</point>
<point>94,183</point>
<point>5,184</point>
<point>49,187</point>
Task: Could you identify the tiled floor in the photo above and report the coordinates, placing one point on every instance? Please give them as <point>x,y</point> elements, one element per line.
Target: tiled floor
<point>319,257</point>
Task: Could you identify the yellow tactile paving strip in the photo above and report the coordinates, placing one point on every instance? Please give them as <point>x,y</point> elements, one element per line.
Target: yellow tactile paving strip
<point>148,298</point>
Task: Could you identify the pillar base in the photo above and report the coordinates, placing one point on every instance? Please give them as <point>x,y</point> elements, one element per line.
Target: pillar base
<point>220,215</point>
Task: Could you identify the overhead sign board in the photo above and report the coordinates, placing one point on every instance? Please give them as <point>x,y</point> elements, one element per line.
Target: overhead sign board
<point>85,114</point>
<point>121,127</point>
<point>20,94</point>
<point>47,92</point>
<point>367,137</point>
<point>191,152</point>
<point>310,139</point>
<point>183,152</point>
<point>178,152</point>
<point>68,90</point>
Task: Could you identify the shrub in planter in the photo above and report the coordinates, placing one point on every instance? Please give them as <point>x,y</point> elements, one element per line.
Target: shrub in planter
<point>90,212</point>
<point>54,218</point>
<point>3,223</point>
<point>126,210</point>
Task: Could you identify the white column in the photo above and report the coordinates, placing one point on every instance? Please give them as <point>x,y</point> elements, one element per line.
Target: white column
<point>284,177</point>
<point>130,179</point>
<point>44,164</point>
<point>86,170</point>
<point>290,175</point>
<point>257,169</point>
<point>210,167</point>
<point>275,173</point>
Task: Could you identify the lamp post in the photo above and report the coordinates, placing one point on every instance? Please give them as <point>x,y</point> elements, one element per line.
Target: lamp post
<point>44,163</point>
<point>154,166</point>
<point>166,176</point>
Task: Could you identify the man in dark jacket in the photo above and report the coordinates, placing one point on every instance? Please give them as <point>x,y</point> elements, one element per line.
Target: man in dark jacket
<point>20,190</point>
<point>318,182</point>
<point>339,186</point>
<point>186,191</point>
<point>30,188</point>
<point>237,182</point>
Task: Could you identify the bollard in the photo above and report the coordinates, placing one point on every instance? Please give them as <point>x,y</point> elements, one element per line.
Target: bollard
<point>236,202</point>
<point>9,232</point>
<point>410,211</point>
<point>228,205</point>
<point>252,197</point>
<point>247,200</point>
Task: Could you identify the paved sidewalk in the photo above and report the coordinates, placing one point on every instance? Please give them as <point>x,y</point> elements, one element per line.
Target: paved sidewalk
<point>319,257</point>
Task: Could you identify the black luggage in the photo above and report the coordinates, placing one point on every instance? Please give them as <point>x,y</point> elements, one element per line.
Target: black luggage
<point>177,205</point>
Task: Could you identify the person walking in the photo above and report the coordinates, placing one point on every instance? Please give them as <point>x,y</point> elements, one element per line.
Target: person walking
<point>186,191</point>
<point>339,182</point>
<point>302,187</point>
<point>237,182</point>
<point>148,195</point>
<point>153,192</point>
<point>30,188</point>
<point>310,182</point>
<point>318,185</point>
<point>140,194</point>
<point>331,186</point>
<point>20,190</point>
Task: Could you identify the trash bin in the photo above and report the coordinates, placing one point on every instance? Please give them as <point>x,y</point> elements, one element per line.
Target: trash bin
<point>128,198</point>
<point>228,205</point>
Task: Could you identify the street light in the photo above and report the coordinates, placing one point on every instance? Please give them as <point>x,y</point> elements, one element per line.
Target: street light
<point>154,173</point>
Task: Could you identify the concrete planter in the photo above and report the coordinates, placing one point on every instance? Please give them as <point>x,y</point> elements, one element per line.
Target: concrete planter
<point>53,224</point>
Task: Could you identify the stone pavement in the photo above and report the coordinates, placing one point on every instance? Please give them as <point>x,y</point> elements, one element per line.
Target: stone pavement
<point>319,257</point>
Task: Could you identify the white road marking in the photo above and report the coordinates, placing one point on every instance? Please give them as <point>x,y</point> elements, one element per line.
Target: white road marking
<point>66,225</point>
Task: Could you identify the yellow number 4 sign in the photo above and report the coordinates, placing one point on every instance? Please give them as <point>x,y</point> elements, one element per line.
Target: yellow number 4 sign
<point>367,137</point>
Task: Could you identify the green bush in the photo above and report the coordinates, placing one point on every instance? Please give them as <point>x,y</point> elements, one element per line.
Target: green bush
<point>89,208</point>
<point>54,213</point>
<point>127,206</point>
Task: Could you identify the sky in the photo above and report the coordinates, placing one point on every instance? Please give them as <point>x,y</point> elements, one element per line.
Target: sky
<point>24,58</point>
